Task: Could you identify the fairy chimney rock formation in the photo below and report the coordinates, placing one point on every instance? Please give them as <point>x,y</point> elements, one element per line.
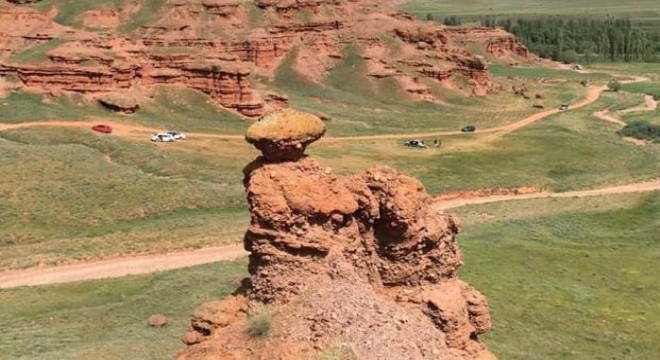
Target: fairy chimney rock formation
<point>360,265</point>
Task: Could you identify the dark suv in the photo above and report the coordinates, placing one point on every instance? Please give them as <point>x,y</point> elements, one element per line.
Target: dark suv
<point>468,128</point>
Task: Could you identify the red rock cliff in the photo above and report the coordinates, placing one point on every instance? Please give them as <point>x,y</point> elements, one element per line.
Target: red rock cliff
<point>191,43</point>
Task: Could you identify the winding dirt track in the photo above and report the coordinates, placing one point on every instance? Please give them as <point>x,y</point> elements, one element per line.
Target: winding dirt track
<point>622,189</point>
<point>142,264</point>
<point>607,116</point>
<point>132,130</point>
<point>118,267</point>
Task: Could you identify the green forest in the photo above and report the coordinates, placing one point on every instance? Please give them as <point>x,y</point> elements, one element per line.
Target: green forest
<point>582,39</point>
<point>579,39</point>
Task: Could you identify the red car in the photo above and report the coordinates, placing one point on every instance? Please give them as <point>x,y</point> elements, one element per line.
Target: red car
<point>102,128</point>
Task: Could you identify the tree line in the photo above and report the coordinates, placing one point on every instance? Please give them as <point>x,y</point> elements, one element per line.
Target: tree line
<point>579,39</point>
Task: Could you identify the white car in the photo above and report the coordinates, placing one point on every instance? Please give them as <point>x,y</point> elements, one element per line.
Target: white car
<point>176,135</point>
<point>162,137</point>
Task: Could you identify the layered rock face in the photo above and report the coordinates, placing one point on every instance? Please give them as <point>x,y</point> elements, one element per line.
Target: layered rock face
<point>217,46</point>
<point>358,263</point>
<point>497,41</point>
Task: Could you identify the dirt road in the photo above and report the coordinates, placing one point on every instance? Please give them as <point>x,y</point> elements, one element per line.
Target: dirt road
<point>121,129</point>
<point>131,130</point>
<point>113,268</point>
<point>622,189</point>
<point>607,116</point>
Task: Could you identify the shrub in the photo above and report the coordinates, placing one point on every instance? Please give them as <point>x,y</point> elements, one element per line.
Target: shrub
<point>614,85</point>
<point>569,57</point>
<point>259,324</point>
<point>641,130</point>
<point>342,352</point>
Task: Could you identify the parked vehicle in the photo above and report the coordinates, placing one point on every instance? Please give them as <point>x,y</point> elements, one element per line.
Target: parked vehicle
<point>162,137</point>
<point>563,106</point>
<point>177,135</point>
<point>102,128</point>
<point>415,144</point>
<point>469,128</point>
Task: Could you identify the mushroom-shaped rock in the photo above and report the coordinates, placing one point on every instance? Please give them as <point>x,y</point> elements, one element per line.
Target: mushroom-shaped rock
<point>283,135</point>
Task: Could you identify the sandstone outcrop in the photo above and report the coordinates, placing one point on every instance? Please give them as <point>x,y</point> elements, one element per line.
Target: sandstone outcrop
<point>220,46</point>
<point>358,263</point>
<point>121,102</point>
<point>496,41</point>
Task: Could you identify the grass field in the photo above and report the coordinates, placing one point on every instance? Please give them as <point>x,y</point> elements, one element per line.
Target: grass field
<point>578,282</point>
<point>107,319</point>
<point>652,117</point>
<point>650,88</point>
<point>650,70</point>
<point>572,278</point>
<point>73,194</point>
<point>646,12</point>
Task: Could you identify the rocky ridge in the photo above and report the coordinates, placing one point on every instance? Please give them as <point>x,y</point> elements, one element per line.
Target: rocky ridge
<point>217,46</point>
<point>358,264</point>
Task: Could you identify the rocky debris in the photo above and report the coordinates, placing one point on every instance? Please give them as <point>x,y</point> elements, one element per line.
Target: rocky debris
<point>120,102</point>
<point>157,320</point>
<point>360,261</point>
<point>520,90</point>
<point>283,135</point>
